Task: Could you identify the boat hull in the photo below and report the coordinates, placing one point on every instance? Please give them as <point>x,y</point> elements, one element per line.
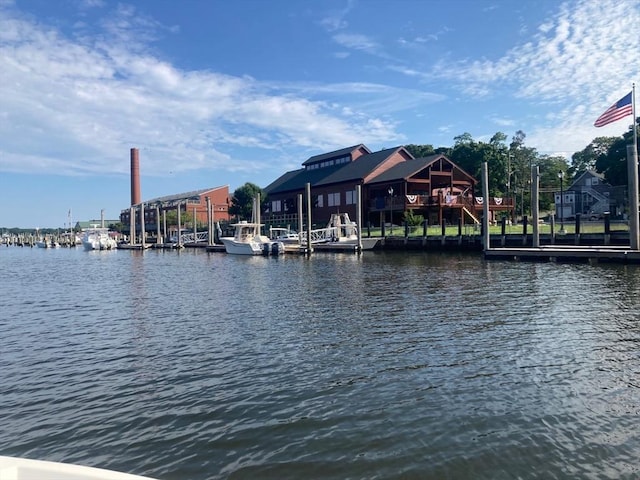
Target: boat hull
<point>98,239</point>
<point>25,469</point>
<point>98,246</point>
<point>348,245</point>
<point>252,248</point>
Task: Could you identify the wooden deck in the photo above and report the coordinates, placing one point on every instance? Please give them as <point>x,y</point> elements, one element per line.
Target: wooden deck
<point>566,254</point>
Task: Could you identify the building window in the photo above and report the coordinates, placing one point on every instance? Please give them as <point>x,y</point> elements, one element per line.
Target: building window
<point>276,206</point>
<point>333,199</point>
<point>319,201</point>
<point>350,197</point>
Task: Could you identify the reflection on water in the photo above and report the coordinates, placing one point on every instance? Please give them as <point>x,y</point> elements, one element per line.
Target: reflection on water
<point>385,365</point>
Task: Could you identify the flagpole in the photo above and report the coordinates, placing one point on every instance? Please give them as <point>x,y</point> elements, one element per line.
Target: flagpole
<point>634,230</point>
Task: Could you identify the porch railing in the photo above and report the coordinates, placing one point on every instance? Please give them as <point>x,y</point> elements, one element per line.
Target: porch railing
<point>454,201</point>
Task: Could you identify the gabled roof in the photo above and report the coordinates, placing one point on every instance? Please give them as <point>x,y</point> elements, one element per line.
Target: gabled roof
<point>282,180</point>
<point>178,197</point>
<point>337,153</point>
<point>587,173</point>
<point>404,170</point>
<point>297,179</point>
<point>358,169</point>
<point>351,171</point>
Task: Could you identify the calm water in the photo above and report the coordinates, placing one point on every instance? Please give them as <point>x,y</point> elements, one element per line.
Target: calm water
<point>189,365</point>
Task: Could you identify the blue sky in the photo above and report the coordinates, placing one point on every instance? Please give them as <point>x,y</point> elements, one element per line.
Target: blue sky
<point>217,92</point>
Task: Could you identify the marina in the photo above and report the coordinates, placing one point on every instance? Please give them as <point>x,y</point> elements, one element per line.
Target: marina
<point>311,272</point>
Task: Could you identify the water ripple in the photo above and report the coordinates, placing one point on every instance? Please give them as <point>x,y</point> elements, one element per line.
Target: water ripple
<point>207,366</point>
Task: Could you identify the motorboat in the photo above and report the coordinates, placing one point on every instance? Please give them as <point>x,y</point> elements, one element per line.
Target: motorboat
<point>284,235</point>
<point>341,233</point>
<point>247,240</point>
<point>98,238</point>
<point>13,468</point>
<point>47,244</point>
<point>70,239</point>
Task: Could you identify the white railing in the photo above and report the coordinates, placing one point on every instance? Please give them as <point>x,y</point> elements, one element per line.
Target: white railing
<point>320,235</point>
<point>200,237</point>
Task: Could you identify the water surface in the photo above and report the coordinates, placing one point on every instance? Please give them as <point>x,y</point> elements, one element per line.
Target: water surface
<point>195,365</point>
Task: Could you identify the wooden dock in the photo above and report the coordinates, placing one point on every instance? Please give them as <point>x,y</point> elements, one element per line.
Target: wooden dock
<point>566,254</point>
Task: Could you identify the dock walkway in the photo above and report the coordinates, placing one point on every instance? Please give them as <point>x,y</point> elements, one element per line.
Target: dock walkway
<point>566,253</point>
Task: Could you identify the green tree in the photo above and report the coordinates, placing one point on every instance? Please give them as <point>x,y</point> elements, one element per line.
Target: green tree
<point>242,200</point>
<point>613,163</point>
<point>470,155</point>
<point>586,159</point>
<point>496,154</point>
<point>522,159</point>
<point>419,151</point>
<point>549,166</point>
<point>412,219</point>
<point>465,154</point>
<point>186,219</point>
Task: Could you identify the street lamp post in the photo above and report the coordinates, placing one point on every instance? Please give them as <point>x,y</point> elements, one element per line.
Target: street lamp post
<point>561,211</point>
<point>390,192</point>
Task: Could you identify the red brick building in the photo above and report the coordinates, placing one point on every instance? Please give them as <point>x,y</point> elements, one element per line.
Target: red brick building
<point>156,209</point>
<point>392,182</point>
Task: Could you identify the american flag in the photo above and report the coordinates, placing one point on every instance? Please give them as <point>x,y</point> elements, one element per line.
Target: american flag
<point>618,110</point>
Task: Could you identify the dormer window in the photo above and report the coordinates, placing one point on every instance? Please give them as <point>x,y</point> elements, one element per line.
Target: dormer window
<point>329,162</point>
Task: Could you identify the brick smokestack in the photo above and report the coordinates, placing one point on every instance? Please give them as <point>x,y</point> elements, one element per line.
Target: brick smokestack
<point>135,177</point>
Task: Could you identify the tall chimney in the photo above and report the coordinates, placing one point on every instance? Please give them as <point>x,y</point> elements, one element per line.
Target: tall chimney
<point>135,177</point>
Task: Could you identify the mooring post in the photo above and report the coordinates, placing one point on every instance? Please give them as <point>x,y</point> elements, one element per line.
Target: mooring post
<point>142,226</point>
<point>209,223</point>
<point>158,235</point>
<point>486,237</point>
<point>308,190</point>
<point>632,173</point>
<point>359,215</point>
<point>132,225</point>
<point>535,187</point>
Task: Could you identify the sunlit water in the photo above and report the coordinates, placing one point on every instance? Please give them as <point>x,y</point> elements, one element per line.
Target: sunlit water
<point>190,365</point>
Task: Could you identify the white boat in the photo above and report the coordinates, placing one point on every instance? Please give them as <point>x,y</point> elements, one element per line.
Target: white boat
<point>284,235</point>
<point>70,239</point>
<point>47,244</point>
<point>12,468</point>
<point>98,238</point>
<point>247,240</point>
<point>341,233</point>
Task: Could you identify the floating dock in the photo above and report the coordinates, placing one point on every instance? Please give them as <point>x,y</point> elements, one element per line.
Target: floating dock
<point>566,254</point>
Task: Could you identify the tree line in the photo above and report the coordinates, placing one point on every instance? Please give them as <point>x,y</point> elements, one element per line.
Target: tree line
<point>509,165</point>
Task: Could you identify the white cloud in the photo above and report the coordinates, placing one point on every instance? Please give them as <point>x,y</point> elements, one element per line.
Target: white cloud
<point>581,60</point>
<point>336,20</point>
<point>356,42</point>
<point>73,107</point>
<point>584,52</point>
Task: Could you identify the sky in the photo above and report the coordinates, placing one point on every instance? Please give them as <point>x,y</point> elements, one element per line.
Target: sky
<point>218,92</point>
